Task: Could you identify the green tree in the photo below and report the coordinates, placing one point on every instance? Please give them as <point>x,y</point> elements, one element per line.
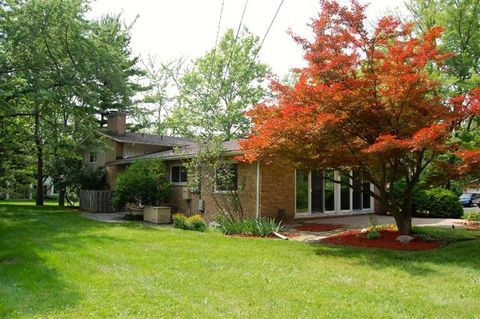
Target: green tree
<point>219,88</point>
<point>461,23</point>
<point>144,182</point>
<point>62,71</point>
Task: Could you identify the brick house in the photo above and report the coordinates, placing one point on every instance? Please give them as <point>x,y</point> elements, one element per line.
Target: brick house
<point>268,190</point>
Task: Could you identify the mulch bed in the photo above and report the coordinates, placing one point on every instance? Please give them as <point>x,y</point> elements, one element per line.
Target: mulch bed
<point>470,225</point>
<point>319,227</point>
<point>287,234</point>
<point>387,240</point>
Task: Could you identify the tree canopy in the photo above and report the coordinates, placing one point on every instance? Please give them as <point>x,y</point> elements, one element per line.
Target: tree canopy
<point>367,102</point>
<point>216,92</point>
<point>62,73</point>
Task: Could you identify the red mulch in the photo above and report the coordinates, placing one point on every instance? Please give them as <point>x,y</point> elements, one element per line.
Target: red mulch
<point>387,240</point>
<point>319,227</point>
<point>470,225</point>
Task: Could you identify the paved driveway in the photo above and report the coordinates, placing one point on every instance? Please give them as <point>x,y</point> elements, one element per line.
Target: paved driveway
<point>364,221</point>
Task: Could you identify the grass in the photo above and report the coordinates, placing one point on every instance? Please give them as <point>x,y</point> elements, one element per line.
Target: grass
<point>56,264</point>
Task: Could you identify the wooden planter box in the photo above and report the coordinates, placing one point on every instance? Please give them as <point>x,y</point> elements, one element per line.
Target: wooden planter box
<point>157,215</point>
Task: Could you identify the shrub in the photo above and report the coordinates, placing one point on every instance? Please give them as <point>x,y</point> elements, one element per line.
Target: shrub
<point>249,226</point>
<point>179,221</point>
<point>144,182</point>
<point>194,222</point>
<point>373,234</point>
<point>437,202</point>
<point>434,202</point>
<point>472,216</point>
<point>379,228</point>
<point>51,197</point>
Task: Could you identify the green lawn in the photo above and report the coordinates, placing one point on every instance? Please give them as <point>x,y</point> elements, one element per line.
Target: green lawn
<point>56,264</point>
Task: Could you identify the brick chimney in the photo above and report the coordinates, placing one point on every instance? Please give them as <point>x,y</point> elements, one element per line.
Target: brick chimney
<point>117,123</point>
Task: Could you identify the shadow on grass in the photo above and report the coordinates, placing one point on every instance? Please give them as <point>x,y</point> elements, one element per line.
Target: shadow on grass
<point>465,254</point>
<point>29,282</point>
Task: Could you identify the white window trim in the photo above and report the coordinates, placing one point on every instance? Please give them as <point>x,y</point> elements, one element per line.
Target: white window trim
<point>337,204</point>
<point>179,175</point>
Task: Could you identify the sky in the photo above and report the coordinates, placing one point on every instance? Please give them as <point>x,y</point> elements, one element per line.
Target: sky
<point>169,29</point>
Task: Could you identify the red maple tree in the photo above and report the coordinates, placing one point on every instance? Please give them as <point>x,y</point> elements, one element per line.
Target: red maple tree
<point>366,101</point>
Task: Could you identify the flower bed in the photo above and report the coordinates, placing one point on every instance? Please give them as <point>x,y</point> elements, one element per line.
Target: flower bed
<point>387,240</point>
<point>286,234</point>
<point>319,227</point>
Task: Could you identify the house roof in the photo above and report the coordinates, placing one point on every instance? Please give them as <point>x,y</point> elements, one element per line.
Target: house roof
<point>186,151</point>
<point>149,139</point>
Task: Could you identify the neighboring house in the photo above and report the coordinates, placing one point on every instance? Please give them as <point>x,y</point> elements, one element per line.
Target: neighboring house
<point>268,190</point>
<point>48,190</point>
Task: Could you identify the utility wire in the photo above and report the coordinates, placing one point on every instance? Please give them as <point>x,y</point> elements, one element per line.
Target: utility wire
<point>216,42</point>
<point>225,70</point>
<point>269,27</point>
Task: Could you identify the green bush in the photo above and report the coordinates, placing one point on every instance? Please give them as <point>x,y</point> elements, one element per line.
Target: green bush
<point>179,221</point>
<point>472,216</point>
<point>437,202</point>
<point>51,197</point>
<point>144,182</point>
<point>249,226</point>
<point>195,222</point>
<point>434,202</point>
<point>373,234</point>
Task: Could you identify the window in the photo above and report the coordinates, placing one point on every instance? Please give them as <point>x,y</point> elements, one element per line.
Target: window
<point>226,178</point>
<point>93,157</point>
<point>330,191</point>
<point>178,175</point>
<point>302,192</point>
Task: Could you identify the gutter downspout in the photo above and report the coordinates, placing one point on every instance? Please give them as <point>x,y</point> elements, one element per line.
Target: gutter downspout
<point>257,213</point>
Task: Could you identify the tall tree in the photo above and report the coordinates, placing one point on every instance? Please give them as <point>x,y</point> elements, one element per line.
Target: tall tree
<point>60,69</point>
<point>461,23</point>
<point>366,102</point>
<point>161,94</point>
<point>220,87</point>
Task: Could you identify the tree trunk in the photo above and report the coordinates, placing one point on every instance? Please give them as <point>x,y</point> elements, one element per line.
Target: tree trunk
<point>61,197</point>
<point>404,224</point>
<point>39,147</point>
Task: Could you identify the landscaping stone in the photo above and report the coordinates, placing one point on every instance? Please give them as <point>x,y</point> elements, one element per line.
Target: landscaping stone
<point>404,239</point>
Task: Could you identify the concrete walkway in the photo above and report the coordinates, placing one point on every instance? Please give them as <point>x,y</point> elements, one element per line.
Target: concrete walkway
<point>363,221</point>
<point>106,217</point>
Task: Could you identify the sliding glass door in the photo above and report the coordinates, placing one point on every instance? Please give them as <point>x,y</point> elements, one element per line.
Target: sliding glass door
<point>317,192</point>
<point>361,198</point>
<point>302,192</point>
<point>345,193</point>
<point>328,191</point>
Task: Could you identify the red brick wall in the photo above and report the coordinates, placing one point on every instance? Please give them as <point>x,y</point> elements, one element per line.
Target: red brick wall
<point>277,190</point>
<point>117,122</point>
<point>247,183</point>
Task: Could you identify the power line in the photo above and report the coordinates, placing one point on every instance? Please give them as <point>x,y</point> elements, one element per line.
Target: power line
<point>225,70</point>
<point>216,42</point>
<point>269,27</point>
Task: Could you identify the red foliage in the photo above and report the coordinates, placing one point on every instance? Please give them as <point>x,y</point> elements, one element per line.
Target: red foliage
<point>365,100</point>
<point>387,240</point>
